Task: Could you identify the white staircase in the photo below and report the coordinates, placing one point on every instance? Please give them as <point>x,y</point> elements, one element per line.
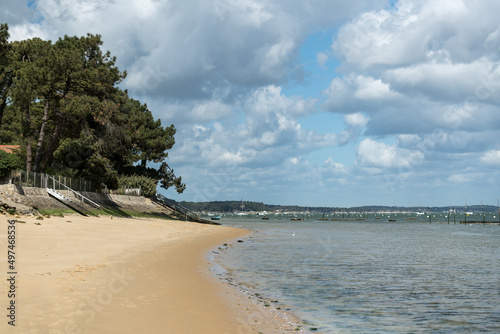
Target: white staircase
<point>77,203</point>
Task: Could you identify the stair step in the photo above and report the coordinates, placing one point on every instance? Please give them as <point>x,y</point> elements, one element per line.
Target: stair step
<point>69,202</point>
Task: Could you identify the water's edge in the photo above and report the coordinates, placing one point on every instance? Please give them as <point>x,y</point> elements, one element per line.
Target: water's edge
<point>267,306</point>
<point>369,277</point>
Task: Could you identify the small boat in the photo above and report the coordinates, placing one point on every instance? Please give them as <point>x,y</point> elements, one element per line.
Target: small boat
<point>265,218</point>
<point>216,218</point>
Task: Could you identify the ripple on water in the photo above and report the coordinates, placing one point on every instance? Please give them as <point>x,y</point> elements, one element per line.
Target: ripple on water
<point>373,277</point>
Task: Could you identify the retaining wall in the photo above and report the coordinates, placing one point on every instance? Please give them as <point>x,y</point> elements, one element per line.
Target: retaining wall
<point>39,198</point>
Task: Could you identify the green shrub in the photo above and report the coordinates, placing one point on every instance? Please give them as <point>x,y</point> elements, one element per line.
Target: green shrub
<point>147,184</point>
<point>8,162</point>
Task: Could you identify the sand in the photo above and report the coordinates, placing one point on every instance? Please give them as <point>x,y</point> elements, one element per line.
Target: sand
<point>119,275</point>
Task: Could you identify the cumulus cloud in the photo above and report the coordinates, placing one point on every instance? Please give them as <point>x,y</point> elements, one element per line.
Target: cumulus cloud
<point>414,31</point>
<point>446,81</point>
<point>376,154</point>
<point>422,74</point>
<point>16,13</point>
<point>180,51</point>
<point>428,74</point>
<point>356,120</point>
<point>355,93</point>
<point>371,89</point>
<point>200,44</point>
<point>269,134</point>
<point>335,168</point>
<point>491,158</point>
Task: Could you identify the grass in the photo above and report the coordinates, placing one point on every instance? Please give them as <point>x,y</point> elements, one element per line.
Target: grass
<point>56,212</point>
<point>130,214</point>
<point>106,212</point>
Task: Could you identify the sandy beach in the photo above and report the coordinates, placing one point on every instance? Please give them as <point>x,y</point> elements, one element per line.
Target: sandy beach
<point>78,274</point>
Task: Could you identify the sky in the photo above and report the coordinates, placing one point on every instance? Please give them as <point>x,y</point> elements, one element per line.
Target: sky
<point>317,103</point>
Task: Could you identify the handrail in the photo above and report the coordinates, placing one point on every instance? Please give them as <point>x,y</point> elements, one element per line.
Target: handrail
<point>77,194</point>
<point>176,206</point>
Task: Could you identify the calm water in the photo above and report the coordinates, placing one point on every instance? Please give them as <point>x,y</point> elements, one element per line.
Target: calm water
<point>375,276</point>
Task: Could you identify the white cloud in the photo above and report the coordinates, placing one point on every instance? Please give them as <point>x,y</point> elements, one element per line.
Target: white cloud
<point>421,68</point>
<point>335,168</point>
<point>408,140</point>
<point>321,58</point>
<point>276,55</point>
<point>355,93</point>
<point>15,12</point>
<point>406,35</point>
<point>202,45</point>
<point>248,12</point>
<point>492,42</point>
<point>458,178</point>
<point>375,154</point>
<point>270,132</point>
<point>356,120</point>
<point>491,158</point>
<point>447,81</point>
<point>423,73</point>
<point>371,89</point>
<point>25,31</point>
<point>269,100</point>
<point>211,110</point>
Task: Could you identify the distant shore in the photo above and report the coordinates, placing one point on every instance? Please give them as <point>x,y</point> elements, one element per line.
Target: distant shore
<point>123,275</point>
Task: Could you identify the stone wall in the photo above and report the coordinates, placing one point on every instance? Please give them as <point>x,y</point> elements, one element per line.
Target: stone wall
<point>11,195</point>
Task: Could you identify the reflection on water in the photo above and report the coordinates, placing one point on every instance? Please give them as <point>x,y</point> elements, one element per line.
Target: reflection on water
<point>373,276</point>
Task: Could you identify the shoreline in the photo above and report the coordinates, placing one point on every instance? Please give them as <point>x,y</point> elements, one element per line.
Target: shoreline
<point>266,315</point>
<point>124,275</point>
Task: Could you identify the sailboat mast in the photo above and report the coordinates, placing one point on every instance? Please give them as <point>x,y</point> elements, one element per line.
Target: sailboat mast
<point>465,210</point>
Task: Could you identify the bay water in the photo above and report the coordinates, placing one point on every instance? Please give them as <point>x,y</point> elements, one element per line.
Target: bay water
<point>373,276</point>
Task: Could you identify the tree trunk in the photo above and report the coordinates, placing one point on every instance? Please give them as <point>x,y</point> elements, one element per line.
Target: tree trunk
<point>41,137</point>
<point>28,139</point>
<point>4,100</point>
<point>2,109</point>
<point>52,144</point>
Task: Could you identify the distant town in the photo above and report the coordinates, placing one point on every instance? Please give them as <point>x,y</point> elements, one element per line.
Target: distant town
<point>248,207</point>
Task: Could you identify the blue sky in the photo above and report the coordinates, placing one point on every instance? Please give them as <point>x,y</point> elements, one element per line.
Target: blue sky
<point>318,103</point>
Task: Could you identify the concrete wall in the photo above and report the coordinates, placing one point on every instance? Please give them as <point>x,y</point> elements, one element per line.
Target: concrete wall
<point>125,202</point>
<point>39,198</point>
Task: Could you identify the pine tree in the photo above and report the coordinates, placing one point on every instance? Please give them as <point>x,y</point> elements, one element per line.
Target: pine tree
<point>5,70</point>
<point>63,105</point>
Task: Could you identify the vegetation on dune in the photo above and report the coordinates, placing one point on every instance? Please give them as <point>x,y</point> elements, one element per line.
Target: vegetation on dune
<point>61,102</point>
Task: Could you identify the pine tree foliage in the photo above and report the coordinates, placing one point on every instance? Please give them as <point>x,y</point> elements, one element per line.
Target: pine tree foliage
<point>61,102</point>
